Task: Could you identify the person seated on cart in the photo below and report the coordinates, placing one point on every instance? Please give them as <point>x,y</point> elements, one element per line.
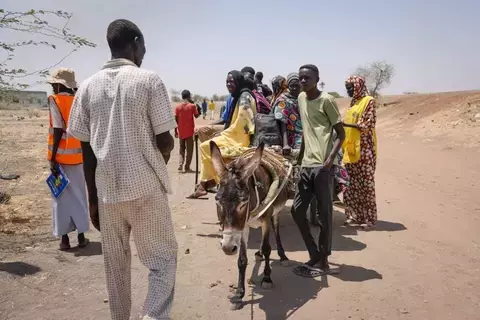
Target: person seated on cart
<point>239,127</point>
<point>286,113</point>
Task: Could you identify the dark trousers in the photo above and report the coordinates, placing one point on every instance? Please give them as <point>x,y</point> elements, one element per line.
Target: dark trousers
<point>186,145</point>
<point>315,182</point>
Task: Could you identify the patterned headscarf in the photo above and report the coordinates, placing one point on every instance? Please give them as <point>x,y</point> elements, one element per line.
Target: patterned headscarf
<point>279,86</point>
<point>359,88</point>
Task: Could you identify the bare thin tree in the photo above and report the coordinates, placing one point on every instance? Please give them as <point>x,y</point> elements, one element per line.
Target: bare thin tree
<point>377,75</point>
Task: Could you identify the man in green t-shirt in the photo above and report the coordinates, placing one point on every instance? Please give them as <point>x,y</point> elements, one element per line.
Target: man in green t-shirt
<point>320,116</point>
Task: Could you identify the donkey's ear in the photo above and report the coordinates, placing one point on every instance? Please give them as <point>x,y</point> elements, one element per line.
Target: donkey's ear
<point>253,163</point>
<point>217,159</point>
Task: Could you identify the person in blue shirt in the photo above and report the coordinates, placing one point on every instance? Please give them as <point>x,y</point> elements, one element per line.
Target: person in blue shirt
<point>226,111</point>
<point>204,109</point>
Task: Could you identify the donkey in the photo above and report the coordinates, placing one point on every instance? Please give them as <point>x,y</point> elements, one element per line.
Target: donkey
<point>243,186</point>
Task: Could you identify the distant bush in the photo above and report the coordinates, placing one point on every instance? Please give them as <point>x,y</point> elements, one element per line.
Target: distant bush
<point>175,97</point>
<point>335,94</point>
<point>199,98</point>
<point>408,92</point>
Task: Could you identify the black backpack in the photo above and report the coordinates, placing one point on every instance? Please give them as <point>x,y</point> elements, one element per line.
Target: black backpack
<point>267,130</point>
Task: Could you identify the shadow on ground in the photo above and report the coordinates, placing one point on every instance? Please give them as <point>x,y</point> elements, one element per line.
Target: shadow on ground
<point>389,226</point>
<point>288,294</point>
<point>92,249</point>
<point>292,241</point>
<point>210,235</point>
<point>291,292</point>
<point>342,240</point>
<point>19,268</point>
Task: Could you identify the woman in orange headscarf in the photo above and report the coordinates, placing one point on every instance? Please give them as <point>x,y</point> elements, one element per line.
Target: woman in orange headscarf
<point>360,155</point>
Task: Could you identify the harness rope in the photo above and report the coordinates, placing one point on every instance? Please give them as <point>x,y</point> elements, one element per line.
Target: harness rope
<point>272,195</point>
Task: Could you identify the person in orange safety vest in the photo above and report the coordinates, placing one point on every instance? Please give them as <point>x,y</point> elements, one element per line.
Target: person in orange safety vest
<point>70,210</point>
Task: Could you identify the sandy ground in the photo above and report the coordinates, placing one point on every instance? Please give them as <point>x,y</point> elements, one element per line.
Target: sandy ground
<point>421,262</point>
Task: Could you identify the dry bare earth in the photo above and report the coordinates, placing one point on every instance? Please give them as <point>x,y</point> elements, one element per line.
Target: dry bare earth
<point>422,261</point>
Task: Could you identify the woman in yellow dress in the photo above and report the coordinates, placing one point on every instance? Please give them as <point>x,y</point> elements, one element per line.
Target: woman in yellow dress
<point>239,126</point>
<point>360,155</point>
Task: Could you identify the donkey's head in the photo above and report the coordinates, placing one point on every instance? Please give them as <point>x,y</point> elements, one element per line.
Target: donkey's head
<point>233,196</point>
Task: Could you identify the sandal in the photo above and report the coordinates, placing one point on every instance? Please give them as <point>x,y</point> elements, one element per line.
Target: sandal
<point>350,222</point>
<point>212,190</point>
<point>200,195</point>
<point>312,272</point>
<point>367,226</point>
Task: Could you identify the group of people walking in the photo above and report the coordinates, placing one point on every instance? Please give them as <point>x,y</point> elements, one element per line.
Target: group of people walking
<point>113,135</point>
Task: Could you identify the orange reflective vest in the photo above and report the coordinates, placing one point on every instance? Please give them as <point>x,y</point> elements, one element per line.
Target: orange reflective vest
<point>69,150</point>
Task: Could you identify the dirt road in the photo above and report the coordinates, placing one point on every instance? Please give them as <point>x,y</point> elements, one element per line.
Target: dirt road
<point>421,262</point>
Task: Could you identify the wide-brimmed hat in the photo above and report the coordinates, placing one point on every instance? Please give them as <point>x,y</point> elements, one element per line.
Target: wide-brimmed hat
<point>63,76</point>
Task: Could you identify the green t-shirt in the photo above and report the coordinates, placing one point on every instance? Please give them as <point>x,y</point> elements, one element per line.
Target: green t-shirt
<point>318,118</point>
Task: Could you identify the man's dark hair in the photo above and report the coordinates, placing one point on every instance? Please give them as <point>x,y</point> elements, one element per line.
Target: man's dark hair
<point>121,33</point>
<point>186,94</point>
<point>259,76</point>
<point>249,70</point>
<point>311,67</point>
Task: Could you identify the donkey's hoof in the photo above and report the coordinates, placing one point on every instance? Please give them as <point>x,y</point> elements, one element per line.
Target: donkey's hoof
<point>267,284</point>
<point>285,263</point>
<point>237,305</point>
<point>258,257</point>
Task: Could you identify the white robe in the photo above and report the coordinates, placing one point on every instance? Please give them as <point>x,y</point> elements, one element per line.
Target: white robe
<point>70,210</point>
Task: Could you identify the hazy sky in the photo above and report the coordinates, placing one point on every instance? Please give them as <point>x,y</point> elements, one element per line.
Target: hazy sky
<point>193,44</point>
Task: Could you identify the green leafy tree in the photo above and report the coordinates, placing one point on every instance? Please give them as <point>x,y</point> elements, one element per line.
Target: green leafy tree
<point>47,28</point>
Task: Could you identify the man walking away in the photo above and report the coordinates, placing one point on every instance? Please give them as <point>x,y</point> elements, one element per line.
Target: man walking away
<point>204,109</point>
<point>123,116</point>
<point>70,210</point>
<point>185,115</point>
<point>320,116</point>
<point>211,108</point>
